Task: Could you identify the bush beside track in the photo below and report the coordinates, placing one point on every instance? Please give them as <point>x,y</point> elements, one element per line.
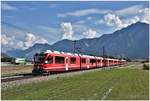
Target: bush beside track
<point>125,83</point>
<point>146,66</point>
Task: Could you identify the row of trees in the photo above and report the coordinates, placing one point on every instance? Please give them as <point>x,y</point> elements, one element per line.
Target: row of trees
<point>7,59</point>
<point>11,59</point>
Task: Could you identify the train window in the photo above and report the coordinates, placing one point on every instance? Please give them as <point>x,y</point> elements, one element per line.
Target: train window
<point>83,60</point>
<point>104,60</point>
<point>73,60</point>
<point>50,59</point>
<point>59,59</point>
<point>92,61</point>
<point>39,58</point>
<point>98,60</point>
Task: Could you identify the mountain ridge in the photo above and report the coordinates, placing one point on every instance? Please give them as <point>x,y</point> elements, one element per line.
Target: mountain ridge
<point>131,42</point>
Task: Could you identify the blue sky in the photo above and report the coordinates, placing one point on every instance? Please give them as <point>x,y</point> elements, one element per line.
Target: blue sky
<point>27,23</point>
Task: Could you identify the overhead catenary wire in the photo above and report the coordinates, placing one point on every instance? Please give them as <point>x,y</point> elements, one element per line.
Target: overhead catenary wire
<point>17,27</point>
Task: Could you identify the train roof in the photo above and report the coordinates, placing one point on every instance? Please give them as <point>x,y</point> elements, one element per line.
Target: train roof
<point>60,52</point>
<point>123,60</point>
<point>75,54</point>
<point>99,57</point>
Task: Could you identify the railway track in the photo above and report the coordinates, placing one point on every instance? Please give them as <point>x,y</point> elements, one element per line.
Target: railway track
<point>13,78</point>
<point>29,75</point>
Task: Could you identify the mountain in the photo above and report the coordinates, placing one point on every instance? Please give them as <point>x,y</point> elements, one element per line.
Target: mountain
<point>15,53</point>
<point>131,42</point>
<point>36,49</point>
<point>4,55</point>
<point>28,53</point>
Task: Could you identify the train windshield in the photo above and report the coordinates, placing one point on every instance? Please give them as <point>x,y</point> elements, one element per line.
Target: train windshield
<point>39,58</point>
<point>49,60</point>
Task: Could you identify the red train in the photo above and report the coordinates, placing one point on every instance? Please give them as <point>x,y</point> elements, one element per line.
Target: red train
<point>49,61</point>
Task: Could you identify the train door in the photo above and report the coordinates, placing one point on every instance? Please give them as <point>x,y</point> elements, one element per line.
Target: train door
<point>66,63</point>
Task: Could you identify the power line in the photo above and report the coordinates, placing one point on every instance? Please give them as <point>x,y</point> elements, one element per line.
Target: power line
<point>15,26</point>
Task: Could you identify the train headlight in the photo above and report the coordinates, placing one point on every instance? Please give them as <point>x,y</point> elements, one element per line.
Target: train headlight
<point>46,62</point>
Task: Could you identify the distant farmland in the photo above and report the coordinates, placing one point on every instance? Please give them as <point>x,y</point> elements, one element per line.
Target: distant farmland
<point>122,83</point>
<point>13,70</point>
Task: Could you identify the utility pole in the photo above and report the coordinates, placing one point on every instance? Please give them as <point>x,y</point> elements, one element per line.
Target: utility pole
<point>103,51</point>
<point>104,56</point>
<point>74,46</point>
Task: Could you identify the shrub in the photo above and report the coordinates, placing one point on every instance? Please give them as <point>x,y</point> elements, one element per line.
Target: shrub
<point>146,66</point>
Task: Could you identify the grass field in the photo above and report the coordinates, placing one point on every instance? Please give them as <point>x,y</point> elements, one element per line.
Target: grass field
<point>125,83</point>
<point>12,70</point>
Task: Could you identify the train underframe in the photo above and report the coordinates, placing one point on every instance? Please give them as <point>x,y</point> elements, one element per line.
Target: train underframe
<point>41,71</point>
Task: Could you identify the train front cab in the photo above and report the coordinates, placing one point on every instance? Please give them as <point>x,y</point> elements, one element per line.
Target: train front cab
<point>56,62</point>
<point>48,63</point>
<point>40,61</point>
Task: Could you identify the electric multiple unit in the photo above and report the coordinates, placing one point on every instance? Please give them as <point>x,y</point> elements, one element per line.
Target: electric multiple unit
<point>48,61</point>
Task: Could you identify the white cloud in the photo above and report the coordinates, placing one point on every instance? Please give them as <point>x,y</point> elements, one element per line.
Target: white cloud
<point>90,33</point>
<point>67,30</point>
<point>7,42</point>
<point>81,30</point>
<point>6,6</point>
<point>132,10</point>
<point>31,39</point>
<point>145,10</point>
<point>129,11</point>
<point>113,20</point>
<point>20,44</point>
<point>5,39</point>
<point>132,20</point>
<point>84,12</point>
<point>145,15</point>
